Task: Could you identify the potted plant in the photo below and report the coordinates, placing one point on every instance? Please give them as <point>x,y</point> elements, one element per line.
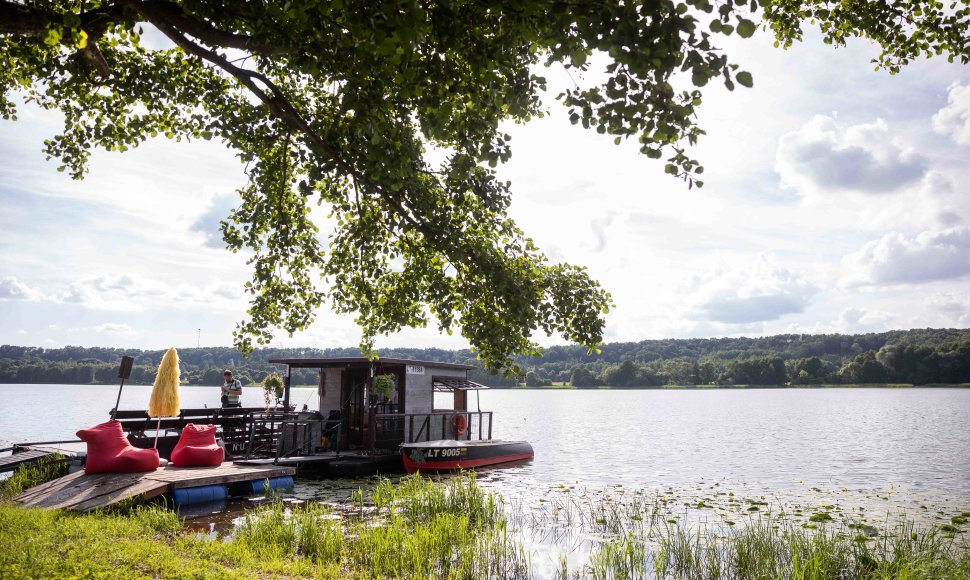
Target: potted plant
<point>272,389</point>
<point>381,388</point>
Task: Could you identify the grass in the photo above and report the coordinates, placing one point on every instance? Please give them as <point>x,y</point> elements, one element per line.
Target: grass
<point>416,529</point>
<point>644,535</point>
<point>26,476</point>
<point>420,528</point>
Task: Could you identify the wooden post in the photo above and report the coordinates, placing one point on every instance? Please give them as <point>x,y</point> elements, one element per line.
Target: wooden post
<point>286,389</point>
<point>372,429</point>
<point>461,400</point>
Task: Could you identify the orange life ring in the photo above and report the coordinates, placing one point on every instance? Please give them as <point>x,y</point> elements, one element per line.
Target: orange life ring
<point>459,423</point>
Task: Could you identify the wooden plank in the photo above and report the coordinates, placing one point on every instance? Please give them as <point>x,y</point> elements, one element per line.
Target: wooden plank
<point>79,491</point>
<point>84,489</point>
<point>85,492</point>
<point>12,462</point>
<point>45,487</point>
<point>68,448</point>
<point>147,489</point>
<point>246,475</point>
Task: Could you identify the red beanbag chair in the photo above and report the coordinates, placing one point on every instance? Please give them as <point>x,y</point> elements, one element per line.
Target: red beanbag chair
<point>110,452</point>
<point>197,447</point>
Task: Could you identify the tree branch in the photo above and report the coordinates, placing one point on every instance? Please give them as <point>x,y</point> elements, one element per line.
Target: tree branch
<point>155,10</point>
<point>275,100</point>
<point>19,19</point>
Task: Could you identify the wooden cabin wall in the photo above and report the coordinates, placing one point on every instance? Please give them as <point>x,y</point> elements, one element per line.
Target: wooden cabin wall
<point>419,396</point>
<point>329,391</point>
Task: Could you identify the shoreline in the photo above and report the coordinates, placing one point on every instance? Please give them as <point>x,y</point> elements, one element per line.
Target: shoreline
<point>562,387</point>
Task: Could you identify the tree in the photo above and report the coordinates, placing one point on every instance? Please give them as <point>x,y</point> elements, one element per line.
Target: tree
<point>624,374</point>
<point>581,377</point>
<point>337,103</point>
<point>756,371</point>
<point>809,371</point>
<point>532,379</point>
<point>864,369</point>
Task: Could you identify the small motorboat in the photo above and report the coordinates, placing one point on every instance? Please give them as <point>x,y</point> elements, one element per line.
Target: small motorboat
<point>448,454</point>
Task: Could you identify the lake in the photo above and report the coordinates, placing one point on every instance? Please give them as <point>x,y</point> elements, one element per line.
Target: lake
<point>887,451</point>
<point>774,438</point>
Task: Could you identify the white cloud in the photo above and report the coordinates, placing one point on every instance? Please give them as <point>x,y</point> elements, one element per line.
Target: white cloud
<point>13,289</point>
<point>114,328</point>
<point>207,224</point>
<point>849,321</point>
<point>938,197</point>
<point>821,157</point>
<point>954,119</point>
<point>863,319</point>
<point>601,227</point>
<point>898,259</point>
<point>136,294</point>
<point>761,292</point>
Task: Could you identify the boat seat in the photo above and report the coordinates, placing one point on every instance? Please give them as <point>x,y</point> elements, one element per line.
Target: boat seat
<point>110,452</point>
<point>197,447</point>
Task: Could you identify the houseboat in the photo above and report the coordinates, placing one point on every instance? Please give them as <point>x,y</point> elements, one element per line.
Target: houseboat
<point>405,418</point>
<point>359,428</point>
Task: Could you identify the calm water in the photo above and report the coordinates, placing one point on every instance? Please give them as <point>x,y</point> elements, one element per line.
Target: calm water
<point>870,455</point>
<point>917,439</point>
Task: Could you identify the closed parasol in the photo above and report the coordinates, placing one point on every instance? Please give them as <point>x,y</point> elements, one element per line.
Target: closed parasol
<point>164,401</point>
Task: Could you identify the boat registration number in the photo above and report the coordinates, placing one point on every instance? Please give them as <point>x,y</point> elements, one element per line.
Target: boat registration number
<point>442,453</point>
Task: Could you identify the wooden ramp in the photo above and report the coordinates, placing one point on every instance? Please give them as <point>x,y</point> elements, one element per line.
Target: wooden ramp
<point>82,492</point>
<point>26,453</point>
<point>11,462</point>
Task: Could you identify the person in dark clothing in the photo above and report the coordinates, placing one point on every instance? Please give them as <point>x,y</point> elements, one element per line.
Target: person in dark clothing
<point>231,390</point>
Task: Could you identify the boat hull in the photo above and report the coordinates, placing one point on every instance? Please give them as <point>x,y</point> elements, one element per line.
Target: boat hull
<point>448,455</point>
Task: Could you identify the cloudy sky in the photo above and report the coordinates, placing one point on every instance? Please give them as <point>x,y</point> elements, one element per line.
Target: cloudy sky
<point>836,200</point>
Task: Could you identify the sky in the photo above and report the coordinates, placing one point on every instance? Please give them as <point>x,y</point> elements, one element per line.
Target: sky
<point>835,200</point>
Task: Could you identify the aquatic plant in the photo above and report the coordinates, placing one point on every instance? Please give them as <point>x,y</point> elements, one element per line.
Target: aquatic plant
<point>33,474</point>
<point>651,535</point>
<point>453,528</point>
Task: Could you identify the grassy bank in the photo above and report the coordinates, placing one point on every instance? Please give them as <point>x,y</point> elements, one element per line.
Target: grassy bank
<point>416,529</point>
<point>454,529</point>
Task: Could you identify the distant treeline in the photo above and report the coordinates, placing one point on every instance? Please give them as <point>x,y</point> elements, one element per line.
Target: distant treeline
<point>920,356</point>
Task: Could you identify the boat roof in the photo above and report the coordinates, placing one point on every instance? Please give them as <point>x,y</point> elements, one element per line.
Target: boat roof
<point>448,384</point>
<point>362,361</point>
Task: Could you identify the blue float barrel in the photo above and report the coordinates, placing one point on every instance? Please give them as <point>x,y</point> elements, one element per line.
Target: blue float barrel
<point>258,486</point>
<point>203,494</point>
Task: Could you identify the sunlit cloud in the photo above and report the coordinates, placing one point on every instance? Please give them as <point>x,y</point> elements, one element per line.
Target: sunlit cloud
<point>114,328</point>
<point>900,259</point>
<point>13,289</point>
<point>823,157</point>
<point>762,291</point>
<point>136,294</point>
<point>953,120</point>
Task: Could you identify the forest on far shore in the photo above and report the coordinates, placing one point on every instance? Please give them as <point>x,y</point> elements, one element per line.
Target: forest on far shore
<point>918,357</point>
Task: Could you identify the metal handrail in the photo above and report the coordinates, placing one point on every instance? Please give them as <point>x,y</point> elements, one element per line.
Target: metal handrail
<point>424,431</point>
<point>307,445</point>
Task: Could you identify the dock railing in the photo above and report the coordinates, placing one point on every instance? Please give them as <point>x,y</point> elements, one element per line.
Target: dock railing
<point>306,437</point>
<point>388,430</point>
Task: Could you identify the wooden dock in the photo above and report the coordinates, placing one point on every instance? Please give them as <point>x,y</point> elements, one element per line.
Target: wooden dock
<point>82,492</point>
<point>27,453</point>
<point>330,464</point>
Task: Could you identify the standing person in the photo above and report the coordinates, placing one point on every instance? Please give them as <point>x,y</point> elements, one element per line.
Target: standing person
<point>231,390</point>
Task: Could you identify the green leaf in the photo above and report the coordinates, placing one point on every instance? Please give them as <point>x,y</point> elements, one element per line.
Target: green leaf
<point>744,79</point>
<point>746,28</point>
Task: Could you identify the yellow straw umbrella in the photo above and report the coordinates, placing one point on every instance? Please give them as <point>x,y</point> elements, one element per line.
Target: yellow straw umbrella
<point>164,401</point>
